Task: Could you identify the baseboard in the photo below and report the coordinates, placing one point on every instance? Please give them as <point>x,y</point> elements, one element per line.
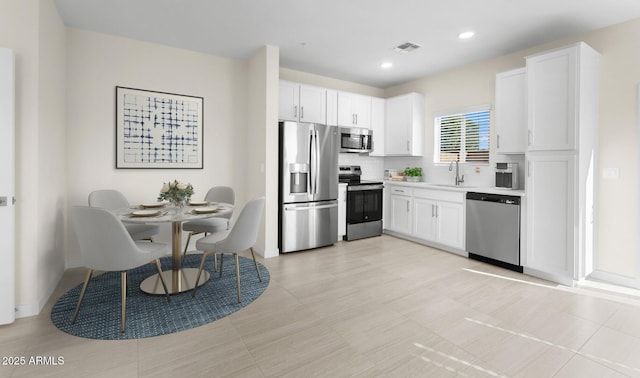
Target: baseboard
<point>427,243</point>
<point>24,311</point>
<point>615,279</point>
<point>270,253</point>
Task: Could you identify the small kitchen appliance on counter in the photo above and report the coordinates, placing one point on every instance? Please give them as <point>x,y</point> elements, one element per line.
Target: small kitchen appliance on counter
<point>364,204</point>
<point>506,175</point>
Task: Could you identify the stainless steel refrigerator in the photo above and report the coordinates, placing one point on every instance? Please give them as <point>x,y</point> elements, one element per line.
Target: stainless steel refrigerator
<point>308,215</point>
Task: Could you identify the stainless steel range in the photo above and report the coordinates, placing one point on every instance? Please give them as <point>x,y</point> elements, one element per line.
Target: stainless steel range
<point>364,204</point>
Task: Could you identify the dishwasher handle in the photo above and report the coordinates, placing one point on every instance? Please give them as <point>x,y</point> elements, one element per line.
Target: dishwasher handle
<point>491,197</point>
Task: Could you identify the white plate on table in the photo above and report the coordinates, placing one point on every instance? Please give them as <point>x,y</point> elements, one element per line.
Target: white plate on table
<point>198,203</point>
<point>152,205</point>
<point>205,210</point>
<point>145,213</point>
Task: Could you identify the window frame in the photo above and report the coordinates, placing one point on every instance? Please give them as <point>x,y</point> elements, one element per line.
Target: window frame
<point>462,154</point>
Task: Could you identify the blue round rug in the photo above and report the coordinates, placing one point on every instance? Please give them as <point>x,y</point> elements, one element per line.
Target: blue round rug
<point>151,315</point>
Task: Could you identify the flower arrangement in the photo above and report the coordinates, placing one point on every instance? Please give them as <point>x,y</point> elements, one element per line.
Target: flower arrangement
<point>176,192</point>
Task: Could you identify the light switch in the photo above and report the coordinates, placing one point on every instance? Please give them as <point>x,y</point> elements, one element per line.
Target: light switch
<point>610,173</point>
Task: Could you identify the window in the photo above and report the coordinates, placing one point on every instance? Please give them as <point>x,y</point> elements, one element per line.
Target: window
<point>463,136</point>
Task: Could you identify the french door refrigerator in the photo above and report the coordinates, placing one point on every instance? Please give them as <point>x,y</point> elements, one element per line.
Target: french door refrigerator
<point>308,214</point>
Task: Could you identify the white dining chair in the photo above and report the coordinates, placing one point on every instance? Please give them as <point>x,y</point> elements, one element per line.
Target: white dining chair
<point>222,194</point>
<point>105,245</point>
<point>242,236</point>
<point>112,200</point>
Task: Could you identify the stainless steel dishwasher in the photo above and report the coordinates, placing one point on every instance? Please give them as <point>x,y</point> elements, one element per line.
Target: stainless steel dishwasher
<point>493,229</point>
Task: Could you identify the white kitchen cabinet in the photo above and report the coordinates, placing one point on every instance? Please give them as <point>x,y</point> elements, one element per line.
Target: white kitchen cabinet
<point>511,112</point>
<point>354,110</point>
<point>551,215</point>
<point>424,219</point>
<point>342,210</point>
<point>400,209</point>
<point>332,107</point>
<point>404,125</point>
<point>377,126</point>
<point>562,85</point>
<point>561,160</point>
<point>300,102</point>
<point>438,217</point>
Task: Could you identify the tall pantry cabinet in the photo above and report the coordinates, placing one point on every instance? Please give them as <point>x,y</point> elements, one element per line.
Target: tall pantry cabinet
<point>562,119</point>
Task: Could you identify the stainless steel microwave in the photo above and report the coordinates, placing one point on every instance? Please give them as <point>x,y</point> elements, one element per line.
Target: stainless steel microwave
<point>355,139</point>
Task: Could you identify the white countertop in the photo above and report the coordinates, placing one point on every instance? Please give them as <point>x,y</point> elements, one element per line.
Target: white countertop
<point>459,188</point>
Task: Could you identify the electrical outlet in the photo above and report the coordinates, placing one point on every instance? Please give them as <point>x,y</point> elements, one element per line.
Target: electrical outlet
<point>3,201</point>
<point>610,173</point>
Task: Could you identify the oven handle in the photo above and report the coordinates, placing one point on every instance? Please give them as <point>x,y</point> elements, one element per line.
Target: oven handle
<point>354,188</point>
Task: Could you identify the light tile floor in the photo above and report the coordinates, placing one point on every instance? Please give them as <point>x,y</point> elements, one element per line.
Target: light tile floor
<point>379,307</point>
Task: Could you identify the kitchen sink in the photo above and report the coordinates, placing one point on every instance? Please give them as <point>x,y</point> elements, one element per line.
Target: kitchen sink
<point>453,186</point>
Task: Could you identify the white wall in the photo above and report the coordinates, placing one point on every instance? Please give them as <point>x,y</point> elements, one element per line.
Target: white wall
<point>34,30</point>
<point>97,63</point>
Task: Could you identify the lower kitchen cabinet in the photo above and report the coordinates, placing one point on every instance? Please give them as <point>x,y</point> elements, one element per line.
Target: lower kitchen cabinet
<point>435,216</point>
<point>439,221</point>
<point>400,209</point>
<point>342,210</point>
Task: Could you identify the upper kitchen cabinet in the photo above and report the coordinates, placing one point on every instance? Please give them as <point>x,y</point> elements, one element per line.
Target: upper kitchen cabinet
<point>561,88</point>
<point>377,126</point>
<point>304,103</point>
<point>354,110</point>
<point>511,112</point>
<point>404,125</point>
<point>332,107</point>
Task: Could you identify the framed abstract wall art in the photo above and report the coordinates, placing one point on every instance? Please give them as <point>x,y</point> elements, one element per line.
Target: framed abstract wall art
<point>158,129</point>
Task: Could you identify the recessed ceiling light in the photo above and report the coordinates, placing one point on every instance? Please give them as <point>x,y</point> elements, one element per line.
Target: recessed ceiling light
<point>386,65</point>
<point>465,35</point>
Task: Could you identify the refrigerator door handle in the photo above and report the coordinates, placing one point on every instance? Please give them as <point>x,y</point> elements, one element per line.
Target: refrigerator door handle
<point>313,162</point>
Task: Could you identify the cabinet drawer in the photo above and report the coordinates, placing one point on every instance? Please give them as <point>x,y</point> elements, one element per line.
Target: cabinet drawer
<point>401,190</point>
<point>439,195</point>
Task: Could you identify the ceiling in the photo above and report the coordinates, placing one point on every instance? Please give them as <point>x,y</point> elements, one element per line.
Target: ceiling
<point>349,39</point>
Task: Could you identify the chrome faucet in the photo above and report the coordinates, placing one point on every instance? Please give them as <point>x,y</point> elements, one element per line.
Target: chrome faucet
<point>459,179</point>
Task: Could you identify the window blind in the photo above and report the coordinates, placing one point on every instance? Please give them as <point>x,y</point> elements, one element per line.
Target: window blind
<point>463,137</point>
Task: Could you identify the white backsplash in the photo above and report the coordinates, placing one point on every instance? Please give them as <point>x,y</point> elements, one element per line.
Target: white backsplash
<point>372,166</point>
<point>474,175</point>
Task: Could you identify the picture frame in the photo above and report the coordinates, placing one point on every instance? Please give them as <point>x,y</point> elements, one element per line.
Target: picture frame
<point>158,130</point>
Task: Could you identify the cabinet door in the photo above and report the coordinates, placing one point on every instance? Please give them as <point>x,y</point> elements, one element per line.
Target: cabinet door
<point>511,112</point>
<point>400,214</point>
<point>550,208</point>
<point>424,218</point>
<point>342,210</point>
<point>397,126</point>
<point>332,107</point>
<point>450,225</point>
<point>346,115</point>
<point>362,109</point>
<point>313,104</point>
<point>377,126</point>
<point>288,102</point>
<point>551,100</point>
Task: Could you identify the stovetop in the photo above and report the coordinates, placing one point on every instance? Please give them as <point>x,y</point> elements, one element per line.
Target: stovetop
<point>350,174</point>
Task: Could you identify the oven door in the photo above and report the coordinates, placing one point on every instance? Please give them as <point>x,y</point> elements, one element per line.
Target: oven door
<point>364,203</point>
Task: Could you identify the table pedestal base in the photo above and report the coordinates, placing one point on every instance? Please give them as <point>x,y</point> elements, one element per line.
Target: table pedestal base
<point>177,282</point>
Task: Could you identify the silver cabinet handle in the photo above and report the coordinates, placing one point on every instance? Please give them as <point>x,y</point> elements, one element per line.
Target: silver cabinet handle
<point>295,111</point>
<point>408,206</point>
<point>408,143</point>
<point>432,211</point>
<point>498,141</point>
<point>529,137</point>
<point>301,112</point>
<point>356,118</point>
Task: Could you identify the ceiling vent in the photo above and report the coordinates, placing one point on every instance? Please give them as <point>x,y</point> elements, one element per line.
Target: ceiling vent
<point>406,47</point>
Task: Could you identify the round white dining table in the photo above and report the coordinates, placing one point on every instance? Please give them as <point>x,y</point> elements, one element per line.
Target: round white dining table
<point>178,279</point>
